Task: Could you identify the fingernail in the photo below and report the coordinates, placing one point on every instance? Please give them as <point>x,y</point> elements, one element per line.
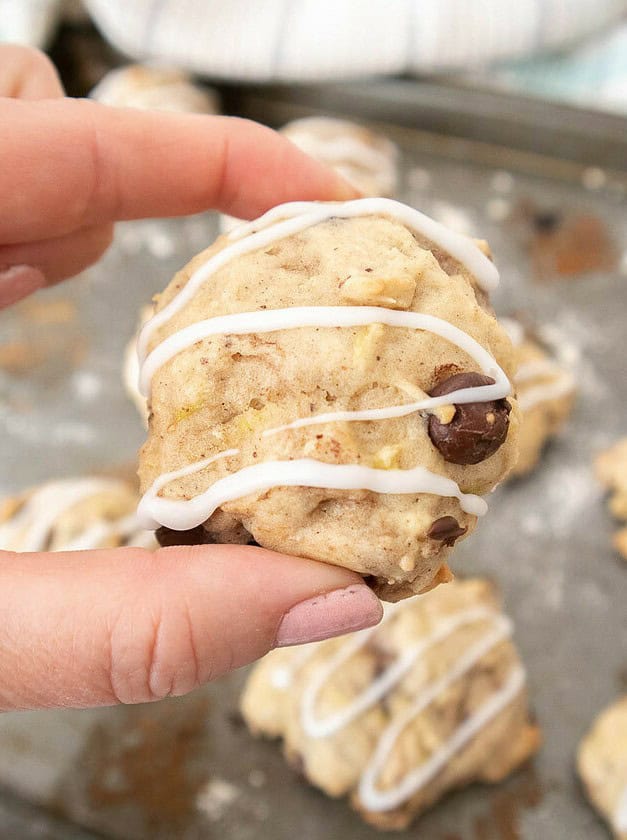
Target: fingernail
<point>328,615</point>
<point>19,281</point>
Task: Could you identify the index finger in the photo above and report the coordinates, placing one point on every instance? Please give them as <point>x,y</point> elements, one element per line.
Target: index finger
<point>68,164</point>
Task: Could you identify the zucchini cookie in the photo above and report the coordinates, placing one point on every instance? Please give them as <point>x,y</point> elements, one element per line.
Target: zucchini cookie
<point>394,717</point>
<point>329,381</point>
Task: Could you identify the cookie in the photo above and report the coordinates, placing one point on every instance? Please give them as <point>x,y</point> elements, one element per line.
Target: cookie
<point>394,717</point>
<point>331,381</point>
<point>545,390</point>
<point>72,515</point>
<point>611,470</point>
<point>602,766</point>
<point>369,161</point>
<point>149,87</point>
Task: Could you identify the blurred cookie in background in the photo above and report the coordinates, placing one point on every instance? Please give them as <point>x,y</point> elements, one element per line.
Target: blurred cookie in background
<point>368,160</point>
<point>611,470</point>
<point>73,514</point>
<point>545,389</point>
<point>602,766</point>
<point>151,87</point>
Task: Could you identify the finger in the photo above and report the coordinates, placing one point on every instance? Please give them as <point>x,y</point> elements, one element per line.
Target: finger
<point>62,257</point>
<point>96,628</point>
<point>26,73</point>
<point>75,163</point>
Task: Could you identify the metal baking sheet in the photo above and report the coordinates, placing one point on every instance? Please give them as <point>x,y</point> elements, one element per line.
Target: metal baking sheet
<point>187,768</point>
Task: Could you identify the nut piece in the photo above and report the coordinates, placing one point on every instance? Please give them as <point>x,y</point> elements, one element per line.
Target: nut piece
<point>368,289</point>
<point>477,430</point>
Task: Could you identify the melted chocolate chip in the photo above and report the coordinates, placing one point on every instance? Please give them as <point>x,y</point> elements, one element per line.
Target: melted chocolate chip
<point>477,429</point>
<point>447,530</point>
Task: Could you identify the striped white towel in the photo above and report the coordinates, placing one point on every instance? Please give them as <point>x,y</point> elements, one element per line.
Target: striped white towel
<point>318,40</point>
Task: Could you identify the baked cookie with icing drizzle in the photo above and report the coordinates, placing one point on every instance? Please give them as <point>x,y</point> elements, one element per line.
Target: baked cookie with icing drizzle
<point>329,381</point>
<point>545,390</point>
<point>611,470</point>
<point>394,717</point>
<point>153,87</point>
<point>602,766</point>
<point>368,160</point>
<point>73,514</point>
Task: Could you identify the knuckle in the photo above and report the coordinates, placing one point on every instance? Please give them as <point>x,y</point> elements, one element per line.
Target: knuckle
<point>153,651</point>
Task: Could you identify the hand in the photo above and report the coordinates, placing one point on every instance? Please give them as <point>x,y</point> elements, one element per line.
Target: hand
<point>127,625</point>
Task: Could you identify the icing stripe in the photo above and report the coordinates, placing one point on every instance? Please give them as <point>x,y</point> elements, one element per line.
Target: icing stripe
<point>183,514</point>
<point>375,799</point>
<point>271,320</point>
<point>316,727</point>
<point>288,219</point>
<point>562,384</point>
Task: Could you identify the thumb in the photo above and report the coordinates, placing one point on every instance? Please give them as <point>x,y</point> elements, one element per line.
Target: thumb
<point>94,628</point>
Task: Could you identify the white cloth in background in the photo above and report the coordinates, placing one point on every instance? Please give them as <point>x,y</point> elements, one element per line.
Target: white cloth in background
<point>319,40</point>
<point>566,49</point>
<point>28,21</point>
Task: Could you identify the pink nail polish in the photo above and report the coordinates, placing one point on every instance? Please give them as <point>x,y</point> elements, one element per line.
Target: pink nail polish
<point>328,615</point>
<point>19,281</point>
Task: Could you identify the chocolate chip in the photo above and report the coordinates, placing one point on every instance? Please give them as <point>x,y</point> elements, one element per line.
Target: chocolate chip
<point>446,529</point>
<point>477,429</point>
<point>195,536</point>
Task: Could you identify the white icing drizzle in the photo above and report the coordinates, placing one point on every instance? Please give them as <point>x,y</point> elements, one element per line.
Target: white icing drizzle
<point>29,528</point>
<point>316,727</point>
<point>281,222</point>
<point>620,815</point>
<point>288,219</point>
<point>375,799</point>
<point>563,382</point>
<point>272,320</point>
<point>183,514</point>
